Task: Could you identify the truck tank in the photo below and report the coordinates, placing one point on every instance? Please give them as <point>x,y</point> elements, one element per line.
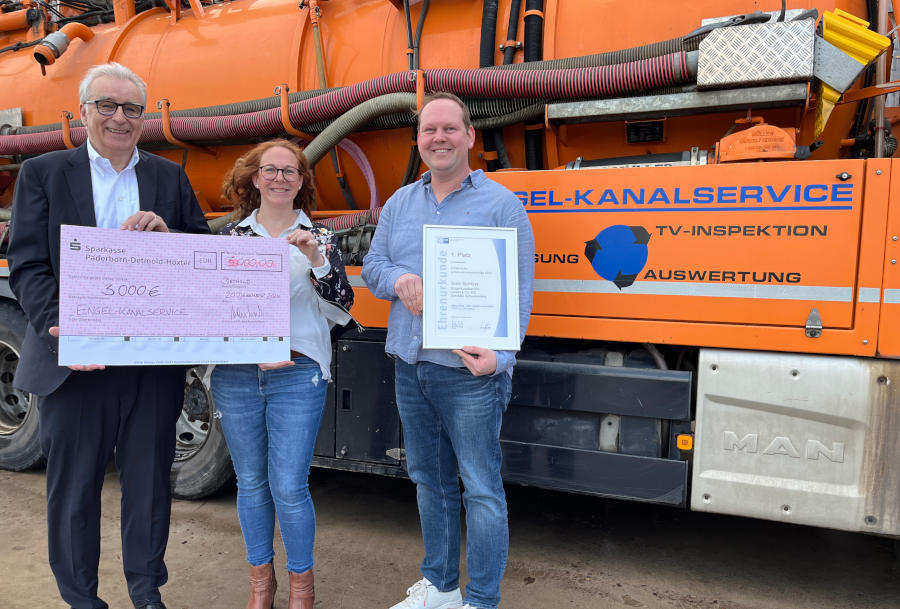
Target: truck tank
<point>709,185</point>
<point>234,52</point>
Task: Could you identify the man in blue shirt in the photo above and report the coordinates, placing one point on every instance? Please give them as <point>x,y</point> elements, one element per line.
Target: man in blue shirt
<point>451,403</point>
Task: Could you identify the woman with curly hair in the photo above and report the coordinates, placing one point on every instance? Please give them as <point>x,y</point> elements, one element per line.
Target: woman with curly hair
<point>271,412</point>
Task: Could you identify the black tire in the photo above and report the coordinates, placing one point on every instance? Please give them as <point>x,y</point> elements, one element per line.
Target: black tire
<point>202,461</point>
<point>895,566</point>
<point>20,444</point>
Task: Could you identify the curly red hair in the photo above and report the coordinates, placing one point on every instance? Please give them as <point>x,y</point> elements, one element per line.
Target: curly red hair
<point>238,186</point>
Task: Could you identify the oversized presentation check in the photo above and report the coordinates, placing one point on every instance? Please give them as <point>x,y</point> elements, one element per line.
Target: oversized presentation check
<point>138,298</point>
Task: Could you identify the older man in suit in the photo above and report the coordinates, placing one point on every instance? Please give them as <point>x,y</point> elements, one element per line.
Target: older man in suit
<point>88,412</point>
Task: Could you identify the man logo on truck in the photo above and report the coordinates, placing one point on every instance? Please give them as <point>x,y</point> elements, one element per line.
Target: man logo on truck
<point>783,445</point>
<point>618,253</point>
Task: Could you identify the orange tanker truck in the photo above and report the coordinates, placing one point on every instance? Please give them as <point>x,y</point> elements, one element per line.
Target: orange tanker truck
<point>716,318</point>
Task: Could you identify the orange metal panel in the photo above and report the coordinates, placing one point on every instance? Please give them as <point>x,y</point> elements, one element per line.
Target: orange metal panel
<point>839,268</point>
<point>747,244</point>
<point>733,336</point>
<point>368,310</point>
<point>855,258</point>
<point>872,251</point>
<point>889,322</point>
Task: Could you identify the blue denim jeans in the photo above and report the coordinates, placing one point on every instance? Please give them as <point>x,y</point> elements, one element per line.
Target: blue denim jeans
<point>451,423</point>
<point>271,419</point>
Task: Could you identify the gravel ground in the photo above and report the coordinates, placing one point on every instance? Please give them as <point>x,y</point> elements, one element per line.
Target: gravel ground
<point>567,551</point>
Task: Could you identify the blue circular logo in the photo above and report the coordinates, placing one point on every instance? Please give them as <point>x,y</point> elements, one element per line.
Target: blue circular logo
<point>618,253</point>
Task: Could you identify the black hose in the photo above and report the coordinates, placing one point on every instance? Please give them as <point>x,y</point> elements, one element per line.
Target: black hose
<point>512,30</point>
<point>21,45</point>
<point>534,51</point>
<point>534,31</point>
<point>863,114</point>
<point>409,34</point>
<point>488,33</point>
<point>872,17</point>
<point>509,53</point>
<point>647,51</point>
<point>534,149</point>
<point>95,13</point>
<point>890,146</point>
<point>502,156</point>
<point>485,59</point>
<point>418,38</point>
<point>412,163</point>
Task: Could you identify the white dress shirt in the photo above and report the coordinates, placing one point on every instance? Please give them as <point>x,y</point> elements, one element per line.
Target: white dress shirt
<point>311,316</point>
<point>115,193</point>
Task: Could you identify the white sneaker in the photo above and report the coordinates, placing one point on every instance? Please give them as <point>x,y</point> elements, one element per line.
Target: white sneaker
<point>423,595</point>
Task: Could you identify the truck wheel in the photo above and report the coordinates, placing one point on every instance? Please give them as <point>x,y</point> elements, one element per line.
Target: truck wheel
<point>20,444</point>
<point>202,462</point>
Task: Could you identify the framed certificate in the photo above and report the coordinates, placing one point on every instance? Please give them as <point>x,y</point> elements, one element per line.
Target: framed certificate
<point>470,277</point>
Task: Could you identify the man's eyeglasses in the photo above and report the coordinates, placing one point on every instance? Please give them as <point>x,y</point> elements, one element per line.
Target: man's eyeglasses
<point>270,172</point>
<point>108,107</point>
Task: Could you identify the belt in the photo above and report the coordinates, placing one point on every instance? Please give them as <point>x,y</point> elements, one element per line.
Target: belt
<point>296,354</point>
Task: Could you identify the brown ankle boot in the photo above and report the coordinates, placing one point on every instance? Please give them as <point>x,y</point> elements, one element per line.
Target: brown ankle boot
<point>303,594</point>
<point>262,587</point>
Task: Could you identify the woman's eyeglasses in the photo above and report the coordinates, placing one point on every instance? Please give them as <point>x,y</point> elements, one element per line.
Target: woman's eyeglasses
<point>270,172</point>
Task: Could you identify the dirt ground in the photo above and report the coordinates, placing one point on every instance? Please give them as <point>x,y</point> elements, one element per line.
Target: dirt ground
<point>566,551</point>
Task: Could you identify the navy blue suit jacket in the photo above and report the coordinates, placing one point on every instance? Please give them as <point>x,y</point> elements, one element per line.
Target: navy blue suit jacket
<point>55,189</point>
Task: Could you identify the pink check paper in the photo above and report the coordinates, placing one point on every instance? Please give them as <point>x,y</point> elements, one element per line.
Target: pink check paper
<point>135,298</point>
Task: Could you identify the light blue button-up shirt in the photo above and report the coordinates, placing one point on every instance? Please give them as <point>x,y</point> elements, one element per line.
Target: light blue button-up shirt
<point>397,249</point>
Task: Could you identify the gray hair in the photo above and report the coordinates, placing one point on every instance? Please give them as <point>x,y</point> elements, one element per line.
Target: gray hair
<point>110,70</point>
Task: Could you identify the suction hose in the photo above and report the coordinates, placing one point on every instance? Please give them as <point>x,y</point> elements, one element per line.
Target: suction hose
<point>648,51</point>
<point>354,119</point>
<point>593,82</point>
<point>242,107</point>
<point>349,222</point>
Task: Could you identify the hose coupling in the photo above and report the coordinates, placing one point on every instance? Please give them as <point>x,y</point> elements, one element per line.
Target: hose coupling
<point>55,44</point>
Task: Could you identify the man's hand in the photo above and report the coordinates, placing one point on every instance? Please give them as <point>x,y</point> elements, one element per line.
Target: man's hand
<point>307,243</point>
<point>145,221</point>
<point>409,289</point>
<point>478,360</point>
<point>54,331</point>
<point>275,365</point>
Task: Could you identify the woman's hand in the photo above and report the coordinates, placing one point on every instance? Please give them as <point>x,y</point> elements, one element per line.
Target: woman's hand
<point>307,243</point>
<point>275,365</point>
